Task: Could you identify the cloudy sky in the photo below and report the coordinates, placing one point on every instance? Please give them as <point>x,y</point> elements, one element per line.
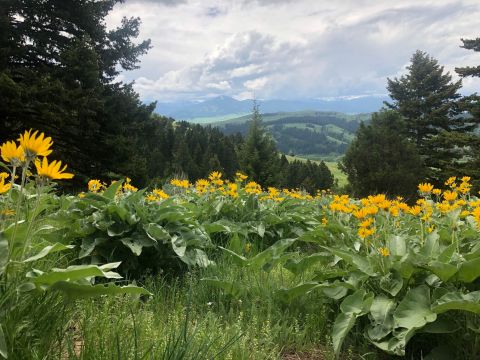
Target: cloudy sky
<point>291,49</point>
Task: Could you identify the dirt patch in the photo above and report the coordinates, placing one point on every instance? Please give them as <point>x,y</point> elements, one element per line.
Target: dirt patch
<point>315,354</point>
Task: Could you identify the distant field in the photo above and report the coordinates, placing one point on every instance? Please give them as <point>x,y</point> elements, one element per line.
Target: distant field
<point>332,166</point>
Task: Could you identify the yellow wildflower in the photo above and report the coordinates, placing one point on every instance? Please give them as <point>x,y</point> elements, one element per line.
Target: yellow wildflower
<point>415,210</point>
<point>151,198</point>
<point>324,221</point>
<point>180,183</point>
<point>450,195</point>
<point>12,153</point>
<point>161,194</point>
<point>476,215</point>
<point>7,212</point>
<point>436,192</point>
<point>4,187</point>
<point>384,251</point>
<point>52,171</point>
<point>95,185</point>
<point>128,186</point>
<point>35,145</point>
<point>366,223</point>
<point>425,188</point>
<point>240,177</point>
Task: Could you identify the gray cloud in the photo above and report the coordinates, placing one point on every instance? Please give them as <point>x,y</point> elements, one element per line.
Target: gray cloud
<point>292,49</point>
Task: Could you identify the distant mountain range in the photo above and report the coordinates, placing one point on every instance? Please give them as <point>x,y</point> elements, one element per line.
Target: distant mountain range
<point>225,107</point>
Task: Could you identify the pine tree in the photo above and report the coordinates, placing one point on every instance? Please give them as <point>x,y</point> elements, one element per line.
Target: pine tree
<point>381,159</point>
<point>427,99</point>
<point>258,154</point>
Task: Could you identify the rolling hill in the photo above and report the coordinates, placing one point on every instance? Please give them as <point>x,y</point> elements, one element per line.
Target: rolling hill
<point>310,134</point>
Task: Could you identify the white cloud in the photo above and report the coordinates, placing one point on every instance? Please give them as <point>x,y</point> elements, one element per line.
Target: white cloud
<point>293,49</point>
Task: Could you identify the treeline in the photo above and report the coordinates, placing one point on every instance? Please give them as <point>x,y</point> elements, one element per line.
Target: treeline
<point>428,133</point>
<point>58,65</point>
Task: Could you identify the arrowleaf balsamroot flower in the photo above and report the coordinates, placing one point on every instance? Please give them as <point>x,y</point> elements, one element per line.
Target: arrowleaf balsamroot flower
<point>53,170</point>
<point>35,145</point>
<point>425,188</point>
<point>12,153</point>
<point>4,187</point>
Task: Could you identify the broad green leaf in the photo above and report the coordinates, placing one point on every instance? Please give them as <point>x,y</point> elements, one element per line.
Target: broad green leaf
<point>469,270</point>
<point>431,247</point>
<point>352,306</point>
<point>274,252</point>
<point>261,230</point>
<point>133,245</point>
<point>392,283</point>
<point>381,312</point>
<point>216,227</point>
<point>359,261</point>
<point>357,303</point>
<point>74,290</point>
<point>342,326</point>
<point>49,250</point>
<point>458,301</point>
<point>118,228</point>
<point>231,288</point>
<point>414,311</point>
<point>397,245</point>
<point>440,326</point>
<point>112,190</point>
<point>3,344</point>
<point>179,246</point>
<point>72,273</point>
<point>443,270</point>
<point>238,259</point>
<point>157,233</point>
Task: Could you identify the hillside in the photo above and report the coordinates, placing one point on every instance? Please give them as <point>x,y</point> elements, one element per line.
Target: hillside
<point>308,133</point>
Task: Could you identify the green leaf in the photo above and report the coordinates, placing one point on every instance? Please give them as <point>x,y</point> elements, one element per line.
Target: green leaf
<point>3,253</point>
<point>358,261</point>
<point>274,252</point>
<point>397,245</point>
<point>238,259</point>
<point>157,233</point>
<point>352,306</point>
<point>414,311</point>
<point>3,344</point>
<point>72,273</point>
<point>342,326</point>
<point>133,245</point>
<point>179,246</point>
<point>381,312</point>
<point>74,290</point>
<point>469,270</point>
<point>441,326</point>
<point>458,301</point>
<point>50,249</point>
<point>392,283</point>
<point>443,270</point>
<point>112,190</point>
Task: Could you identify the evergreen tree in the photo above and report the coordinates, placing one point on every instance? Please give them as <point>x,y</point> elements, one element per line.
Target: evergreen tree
<point>427,99</point>
<point>258,154</point>
<point>381,159</point>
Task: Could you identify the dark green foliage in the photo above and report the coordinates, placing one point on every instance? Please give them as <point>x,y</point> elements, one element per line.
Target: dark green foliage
<point>258,155</point>
<point>381,159</point>
<point>428,100</point>
<point>260,159</point>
